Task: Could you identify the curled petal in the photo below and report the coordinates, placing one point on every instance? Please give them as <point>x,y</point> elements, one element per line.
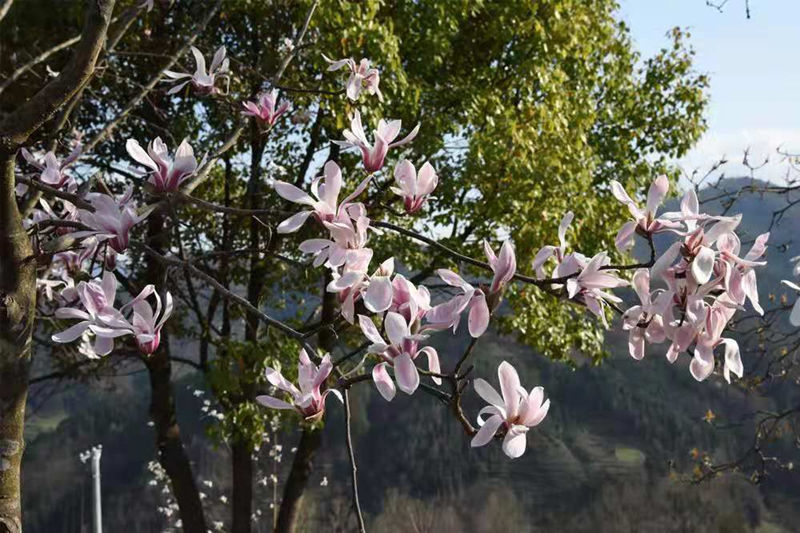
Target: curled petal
<point>479,315</point>
<point>487,431</point>
<point>514,443</point>
<point>383,382</point>
<point>406,373</point>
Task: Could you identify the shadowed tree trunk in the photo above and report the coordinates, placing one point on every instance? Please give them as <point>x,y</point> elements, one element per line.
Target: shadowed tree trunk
<point>17,262</point>
<point>17,306</point>
<point>242,454</point>
<point>171,452</point>
<point>311,437</point>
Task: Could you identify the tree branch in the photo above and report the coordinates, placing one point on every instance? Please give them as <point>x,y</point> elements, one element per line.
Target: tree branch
<point>20,124</point>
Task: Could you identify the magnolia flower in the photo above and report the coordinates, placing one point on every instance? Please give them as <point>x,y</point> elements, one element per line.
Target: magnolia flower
<point>503,265</point>
<point>740,278</point>
<point>98,316</point>
<point>696,250</point>
<point>448,314</point>
<point>413,303</point>
<point>702,364</point>
<point>308,400</point>
<point>202,80</point>
<point>350,283</point>
<point>644,221</point>
<point>373,156</point>
<point>146,323</point>
<point>263,110</point>
<point>111,220</point>
<point>361,76</point>
<point>588,286</point>
<point>345,247</point>
<point>794,317</point>
<point>513,413</point>
<point>52,170</point>
<point>548,251</point>
<point>166,175</point>
<point>399,352</point>
<point>324,202</point>
<point>641,320</point>
<point>147,4</point>
<point>412,187</point>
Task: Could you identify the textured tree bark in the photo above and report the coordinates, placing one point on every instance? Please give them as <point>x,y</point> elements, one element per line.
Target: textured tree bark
<point>17,306</point>
<point>242,456</point>
<point>171,452</point>
<point>293,491</point>
<point>311,437</point>
<point>17,262</point>
<point>242,462</point>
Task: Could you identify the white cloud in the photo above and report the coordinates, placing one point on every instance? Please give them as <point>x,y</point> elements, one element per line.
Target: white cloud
<point>763,145</point>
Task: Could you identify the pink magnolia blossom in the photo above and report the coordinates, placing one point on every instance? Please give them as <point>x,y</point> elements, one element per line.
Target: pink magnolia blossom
<point>308,400</point>
<point>413,187</point>
<point>740,278</point>
<point>52,171</point>
<point>324,198</point>
<point>111,220</point>
<point>352,282</point>
<point>374,155</point>
<point>513,413</point>
<point>346,245</point>
<point>399,352</point>
<point>448,314</point>
<point>642,321</point>
<point>361,76</point>
<point>644,221</point>
<point>696,251</point>
<point>548,251</point>
<point>166,175</point>
<point>204,81</point>
<point>591,282</point>
<point>504,265</point>
<point>702,365</point>
<point>264,110</point>
<point>98,316</point>
<point>146,323</point>
<point>412,302</point>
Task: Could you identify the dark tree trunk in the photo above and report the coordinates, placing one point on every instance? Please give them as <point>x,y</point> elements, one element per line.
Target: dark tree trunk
<point>242,458</point>
<point>293,491</point>
<point>17,306</point>
<point>171,452</point>
<point>242,455</point>
<point>311,438</point>
<point>17,262</point>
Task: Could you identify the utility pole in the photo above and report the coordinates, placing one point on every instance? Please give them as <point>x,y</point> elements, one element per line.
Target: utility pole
<point>96,495</point>
<point>97,503</point>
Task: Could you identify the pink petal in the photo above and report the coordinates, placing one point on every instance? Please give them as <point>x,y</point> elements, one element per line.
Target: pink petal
<point>487,431</point>
<point>383,382</point>
<point>406,373</point>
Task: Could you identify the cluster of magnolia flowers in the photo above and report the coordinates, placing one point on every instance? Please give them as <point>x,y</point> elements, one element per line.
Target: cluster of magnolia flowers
<point>703,281</point>
<point>698,282</point>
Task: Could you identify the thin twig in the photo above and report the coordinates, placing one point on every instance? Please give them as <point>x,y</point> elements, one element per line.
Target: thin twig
<point>353,467</point>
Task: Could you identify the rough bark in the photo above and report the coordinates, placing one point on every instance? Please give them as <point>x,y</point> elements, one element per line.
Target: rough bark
<point>241,453</point>
<point>17,263</point>
<point>17,306</point>
<point>311,437</point>
<point>171,453</point>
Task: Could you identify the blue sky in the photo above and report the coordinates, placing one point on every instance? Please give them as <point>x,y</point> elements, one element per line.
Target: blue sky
<point>755,82</point>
